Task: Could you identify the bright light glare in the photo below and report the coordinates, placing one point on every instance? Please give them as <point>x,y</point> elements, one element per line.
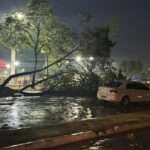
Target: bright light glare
<point>91,58</point>
<point>67,62</point>
<point>17,63</point>
<point>78,58</point>
<point>20,16</point>
<point>8,66</point>
<point>42,51</point>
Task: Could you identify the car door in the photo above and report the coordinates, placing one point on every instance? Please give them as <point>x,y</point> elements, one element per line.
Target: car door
<point>136,92</point>
<point>146,91</point>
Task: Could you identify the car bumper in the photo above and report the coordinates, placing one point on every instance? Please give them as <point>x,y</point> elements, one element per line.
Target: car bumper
<point>109,99</point>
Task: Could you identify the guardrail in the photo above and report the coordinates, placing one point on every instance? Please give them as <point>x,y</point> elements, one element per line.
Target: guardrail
<point>71,132</point>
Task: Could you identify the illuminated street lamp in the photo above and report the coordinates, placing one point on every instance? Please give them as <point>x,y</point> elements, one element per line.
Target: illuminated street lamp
<point>91,58</point>
<point>78,58</point>
<point>20,16</point>
<point>42,52</point>
<point>67,62</point>
<point>17,63</point>
<point>8,66</point>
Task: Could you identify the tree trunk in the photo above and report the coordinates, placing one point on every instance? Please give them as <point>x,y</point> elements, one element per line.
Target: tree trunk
<point>35,66</point>
<point>46,64</point>
<point>36,54</point>
<point>13,60</point>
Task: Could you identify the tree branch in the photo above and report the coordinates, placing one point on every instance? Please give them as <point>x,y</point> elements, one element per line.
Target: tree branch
<point>43,80</point>
<point>42,69</point>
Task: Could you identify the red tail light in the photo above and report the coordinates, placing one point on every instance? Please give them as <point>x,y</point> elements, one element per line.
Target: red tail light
<point>113,91</point>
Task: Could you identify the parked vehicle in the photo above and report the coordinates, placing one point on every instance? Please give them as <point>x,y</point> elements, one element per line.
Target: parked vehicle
<point>124,92</point>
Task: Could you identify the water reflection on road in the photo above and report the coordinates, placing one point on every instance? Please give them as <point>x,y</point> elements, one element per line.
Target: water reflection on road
<point>40,111</point>
<point>36,111</point>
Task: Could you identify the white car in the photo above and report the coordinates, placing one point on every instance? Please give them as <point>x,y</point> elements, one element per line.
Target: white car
<point>124,92</point>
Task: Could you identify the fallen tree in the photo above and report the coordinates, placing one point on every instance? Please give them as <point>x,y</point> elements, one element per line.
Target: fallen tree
<point>5,83</point>
<point>39,82</point>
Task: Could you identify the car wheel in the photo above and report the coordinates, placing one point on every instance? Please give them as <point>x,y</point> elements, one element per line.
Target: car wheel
<point>125,101</point>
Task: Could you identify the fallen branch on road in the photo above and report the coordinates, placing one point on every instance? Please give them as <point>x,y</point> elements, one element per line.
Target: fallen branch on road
<point>41,81</point>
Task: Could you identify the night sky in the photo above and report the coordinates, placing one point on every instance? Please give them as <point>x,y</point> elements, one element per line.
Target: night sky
<point>133,15</point>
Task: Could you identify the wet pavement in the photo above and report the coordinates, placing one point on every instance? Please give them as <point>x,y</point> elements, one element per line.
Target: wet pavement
<point>40,111</point>
<point>138,140</point>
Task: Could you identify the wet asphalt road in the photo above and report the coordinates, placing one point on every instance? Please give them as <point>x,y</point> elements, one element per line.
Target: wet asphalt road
<point>40,111</point>
<point>138,140</point>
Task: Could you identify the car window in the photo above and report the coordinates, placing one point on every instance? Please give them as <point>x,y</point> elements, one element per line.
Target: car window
<point>114,84</point>
<point>144,87</point>
<point>137,86</point>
